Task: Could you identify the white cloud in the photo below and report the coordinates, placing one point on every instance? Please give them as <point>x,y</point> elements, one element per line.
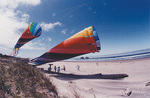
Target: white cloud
<point>8,4</point>
<point>49,39</point>
<point>13,22</point>
<point>47,27</point>
<point>34,46</point>
<point>25,17</point>
<point>41,39</point>
<point>64,31</point>
<point>30,2</point>
<point>4,49</point>
<point>13,4</point>
<point>10,26</point>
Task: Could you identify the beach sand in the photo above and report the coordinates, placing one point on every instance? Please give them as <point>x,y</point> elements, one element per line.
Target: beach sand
<point>89,83</point>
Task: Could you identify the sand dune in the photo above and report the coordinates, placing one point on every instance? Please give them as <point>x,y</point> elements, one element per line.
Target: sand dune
<point>115,78</point>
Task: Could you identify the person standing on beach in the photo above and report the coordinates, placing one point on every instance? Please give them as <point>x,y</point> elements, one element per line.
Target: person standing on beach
<point>55,68</point>
<point>49,69</point>
<point>58,70</point>
<point>96,63</point>
<point>78,68</point>
<point>64,68</point>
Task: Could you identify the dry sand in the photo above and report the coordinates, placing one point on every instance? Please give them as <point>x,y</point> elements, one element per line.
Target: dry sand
<point>85,84</point>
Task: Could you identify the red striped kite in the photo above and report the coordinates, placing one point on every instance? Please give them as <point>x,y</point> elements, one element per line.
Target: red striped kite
<point>85,41</point>
<point>33,30</point>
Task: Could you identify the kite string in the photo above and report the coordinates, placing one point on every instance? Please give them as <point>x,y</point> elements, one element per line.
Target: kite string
<point>74,8</point>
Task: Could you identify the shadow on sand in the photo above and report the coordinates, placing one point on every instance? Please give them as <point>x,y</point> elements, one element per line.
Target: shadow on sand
<point>64,76</point>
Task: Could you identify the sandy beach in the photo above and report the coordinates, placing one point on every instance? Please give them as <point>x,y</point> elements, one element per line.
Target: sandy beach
<point>98,79</point>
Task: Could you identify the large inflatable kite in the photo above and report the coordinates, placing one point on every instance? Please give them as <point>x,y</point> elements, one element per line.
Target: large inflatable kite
<point>85,41</point>
<point>33,30</point>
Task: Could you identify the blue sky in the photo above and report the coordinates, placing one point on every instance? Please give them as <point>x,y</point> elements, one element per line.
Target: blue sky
<point>122,25</point>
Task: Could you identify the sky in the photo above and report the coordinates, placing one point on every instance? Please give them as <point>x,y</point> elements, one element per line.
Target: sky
<point>122,25</point>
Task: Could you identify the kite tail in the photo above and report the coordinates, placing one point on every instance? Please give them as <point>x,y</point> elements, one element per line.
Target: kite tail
<point>14,52</point>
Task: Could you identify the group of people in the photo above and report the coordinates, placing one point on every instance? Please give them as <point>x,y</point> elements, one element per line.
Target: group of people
<point>56,69</point>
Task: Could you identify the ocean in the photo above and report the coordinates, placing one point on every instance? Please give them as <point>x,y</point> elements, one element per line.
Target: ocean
<point>113,57</point>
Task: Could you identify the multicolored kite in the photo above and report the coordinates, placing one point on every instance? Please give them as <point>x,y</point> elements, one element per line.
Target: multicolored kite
<point>86,41</point>
<point>33,30</point>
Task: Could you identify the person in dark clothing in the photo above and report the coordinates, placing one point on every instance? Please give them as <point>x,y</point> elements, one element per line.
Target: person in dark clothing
<point>50,67</point>
<point>64,68</point>
<point>55,68</point>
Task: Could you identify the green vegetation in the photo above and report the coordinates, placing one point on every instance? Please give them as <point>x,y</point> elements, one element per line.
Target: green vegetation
<point>20,80</point>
